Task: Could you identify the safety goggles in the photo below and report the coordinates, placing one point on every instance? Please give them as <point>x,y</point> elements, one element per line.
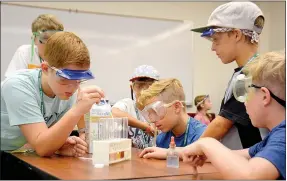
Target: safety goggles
<point>208,34</point>
<point>242,87</point>
<point>157,110</point>
<point>43,36</point>
<point>67,76</point>
<point>204,99</point>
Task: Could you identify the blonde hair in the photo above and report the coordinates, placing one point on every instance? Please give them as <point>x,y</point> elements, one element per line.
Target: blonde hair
<point>66,48</point>
<point>269,70</point>
<point>167,90</point>
<point>46,22</point>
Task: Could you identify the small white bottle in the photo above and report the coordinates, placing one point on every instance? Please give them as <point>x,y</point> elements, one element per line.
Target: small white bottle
<point>172,159</point>
<point>94,128</point>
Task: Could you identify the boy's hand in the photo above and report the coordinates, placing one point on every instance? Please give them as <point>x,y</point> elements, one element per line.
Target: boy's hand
<point>150,130</point>
<point>82,136</point>
<point>87,97</point>
<point>74,146</point>
<point>193,154</point>
<point>154,152</point>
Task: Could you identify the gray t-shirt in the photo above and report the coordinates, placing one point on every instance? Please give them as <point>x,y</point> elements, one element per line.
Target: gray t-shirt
<point>21,104</point>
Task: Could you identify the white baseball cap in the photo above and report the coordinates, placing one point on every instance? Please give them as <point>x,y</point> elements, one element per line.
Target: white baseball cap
<point>241,15</point>
<point>145,71</point>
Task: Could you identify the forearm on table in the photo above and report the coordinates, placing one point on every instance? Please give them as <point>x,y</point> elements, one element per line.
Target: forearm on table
<point>53,138</point>
<point>229,163</point>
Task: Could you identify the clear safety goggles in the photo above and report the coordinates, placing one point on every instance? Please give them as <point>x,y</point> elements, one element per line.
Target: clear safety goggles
<point>242,86</point>
<point>157,110</point>
<point>67,76</point>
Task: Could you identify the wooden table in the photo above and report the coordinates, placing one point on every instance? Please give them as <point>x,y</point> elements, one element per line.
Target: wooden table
<point>70,168</point>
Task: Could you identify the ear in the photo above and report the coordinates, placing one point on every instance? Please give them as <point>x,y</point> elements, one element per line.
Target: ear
<point>202,105</point>
<point>266,97</point>
<point>178,107</point>
<point>238,34</point>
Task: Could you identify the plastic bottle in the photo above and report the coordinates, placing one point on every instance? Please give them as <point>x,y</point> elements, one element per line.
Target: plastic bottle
<point>172,159</point>
<point>94,129</point>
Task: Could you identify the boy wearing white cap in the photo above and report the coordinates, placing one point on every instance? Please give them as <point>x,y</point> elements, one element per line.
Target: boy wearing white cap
<point>140,131</point>
<point>234,30</point>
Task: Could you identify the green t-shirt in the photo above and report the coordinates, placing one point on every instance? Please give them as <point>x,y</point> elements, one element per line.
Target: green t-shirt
<point>21,104</point>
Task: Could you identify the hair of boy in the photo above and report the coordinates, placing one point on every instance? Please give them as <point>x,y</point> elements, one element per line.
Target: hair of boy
<point>66,48</point>
<point>198,99</point>
<point>269,70</point>
<point>167,90</point>
<point>46,22</point>
<point>259,23</point>
<point>141,79</point>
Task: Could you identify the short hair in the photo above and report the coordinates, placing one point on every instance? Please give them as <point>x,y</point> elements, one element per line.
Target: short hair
<point>167,90</point>
<point>46,22</point>
<point>269,70</point>
<point>66,48</point>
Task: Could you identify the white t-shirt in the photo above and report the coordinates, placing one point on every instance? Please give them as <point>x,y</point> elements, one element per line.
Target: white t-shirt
<point>21,59</point>
<point>139,138</point>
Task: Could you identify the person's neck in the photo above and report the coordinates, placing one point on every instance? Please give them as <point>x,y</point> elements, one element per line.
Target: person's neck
<point>276,117</point>
<point>203,112</point>
<point>245,55</point>
<point>45,87</point>
<point>180,128</point>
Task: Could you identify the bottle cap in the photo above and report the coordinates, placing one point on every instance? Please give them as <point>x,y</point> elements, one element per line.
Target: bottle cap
<point>172,143</point>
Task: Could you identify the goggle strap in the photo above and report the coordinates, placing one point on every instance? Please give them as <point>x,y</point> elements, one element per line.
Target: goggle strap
<point>280,101</point>
<point>32,48</point>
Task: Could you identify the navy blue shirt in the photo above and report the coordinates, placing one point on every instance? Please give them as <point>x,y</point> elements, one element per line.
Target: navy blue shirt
<point>273,148</point>
<point>195,130</point>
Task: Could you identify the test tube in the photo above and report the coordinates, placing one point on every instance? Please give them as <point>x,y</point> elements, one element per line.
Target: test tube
<point>125,127</point>
<point>111,128</point>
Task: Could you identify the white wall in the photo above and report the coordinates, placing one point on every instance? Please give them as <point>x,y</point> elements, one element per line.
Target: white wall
<point>211,76</point>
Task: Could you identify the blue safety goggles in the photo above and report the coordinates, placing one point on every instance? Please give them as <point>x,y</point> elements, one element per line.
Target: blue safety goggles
<point>75,74</point>
<point>208,33</point>
<point>67,76</point>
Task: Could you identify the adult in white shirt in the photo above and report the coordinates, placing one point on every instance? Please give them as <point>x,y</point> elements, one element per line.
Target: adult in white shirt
<point>30,56</point>
<point>139,131</point>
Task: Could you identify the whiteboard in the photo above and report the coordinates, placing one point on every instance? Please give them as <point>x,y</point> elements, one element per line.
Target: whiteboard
<point>117,45</point>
